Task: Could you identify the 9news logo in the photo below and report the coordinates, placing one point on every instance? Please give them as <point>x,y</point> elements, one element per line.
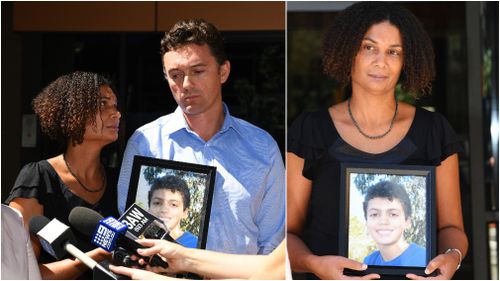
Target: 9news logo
<point>104,238</point>
<point>107,233</point>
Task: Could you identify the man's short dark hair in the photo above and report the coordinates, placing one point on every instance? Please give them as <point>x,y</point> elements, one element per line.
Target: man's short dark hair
<point>391,191</point>
<point>174,184</point>
<point>194,31</point>
<point>343,41</point>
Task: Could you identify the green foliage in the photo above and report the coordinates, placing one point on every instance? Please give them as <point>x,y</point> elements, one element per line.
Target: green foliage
<point>141,204</point>
<point>308,88</point>
<point>403,96</point>
<point>151,173</point>
<point>360,244</point>
<point>262,100</point>
<point>196,188</point>
<point>487,70</point>
<point>196,183</point>
<point>263,103</point>
<point>415,187</point>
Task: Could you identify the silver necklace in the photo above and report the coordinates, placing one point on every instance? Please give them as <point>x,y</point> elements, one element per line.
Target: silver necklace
<point>104,179</point>
<point>359,128</point>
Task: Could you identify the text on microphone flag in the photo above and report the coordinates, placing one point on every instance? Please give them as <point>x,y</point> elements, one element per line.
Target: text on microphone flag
<point>105,235</point>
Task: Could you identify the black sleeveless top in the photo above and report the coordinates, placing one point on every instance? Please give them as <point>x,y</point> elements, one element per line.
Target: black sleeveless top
<point>314,138</point>
<point>39,180</point>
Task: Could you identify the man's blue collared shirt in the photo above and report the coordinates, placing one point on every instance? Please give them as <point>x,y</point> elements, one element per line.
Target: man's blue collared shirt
<point>248,207</point>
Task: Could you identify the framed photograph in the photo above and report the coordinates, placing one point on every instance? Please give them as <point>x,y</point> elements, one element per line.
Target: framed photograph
<point>178,193</point>
<point>388,217</point>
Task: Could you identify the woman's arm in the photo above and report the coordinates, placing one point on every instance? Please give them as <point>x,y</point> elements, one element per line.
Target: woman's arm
<point>274,265</point>
<point>297,195</point>
<point>218,265</point>
<point>210,264</point>
<point>451,234</point>
<point>63,269</point>
<point>69,268</point>
<point>206,263</point>
<point>301,259</point>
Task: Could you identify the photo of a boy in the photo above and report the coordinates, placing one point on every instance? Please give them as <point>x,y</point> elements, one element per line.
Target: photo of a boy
<point>387,210</point>
<point>169,199</point>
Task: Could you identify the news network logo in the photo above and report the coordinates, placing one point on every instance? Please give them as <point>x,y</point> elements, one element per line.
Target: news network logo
<point>104,238</point>
<point>106,233</point>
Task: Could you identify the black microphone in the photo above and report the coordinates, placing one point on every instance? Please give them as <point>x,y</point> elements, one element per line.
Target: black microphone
<point>57,239</point>
<point>142,223</point>
<point>122,257</point>
<point>108,233</point>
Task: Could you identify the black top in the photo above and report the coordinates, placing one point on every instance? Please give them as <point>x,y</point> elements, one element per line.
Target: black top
<point>314,138</point>
<point>39,180</point>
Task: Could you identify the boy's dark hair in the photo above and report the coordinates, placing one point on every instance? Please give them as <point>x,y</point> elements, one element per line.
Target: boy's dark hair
<point>196,31</point>
<point>68,104</point>
<point>391,191</point>
<point>343,41</point>
<point>174,184</point>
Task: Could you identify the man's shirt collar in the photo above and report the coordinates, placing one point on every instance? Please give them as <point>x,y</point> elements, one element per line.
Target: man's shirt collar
<point>178,122</point>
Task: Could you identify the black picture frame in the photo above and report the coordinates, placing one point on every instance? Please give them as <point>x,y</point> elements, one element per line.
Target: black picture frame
<point>199,178</point>
<point>418,182</point>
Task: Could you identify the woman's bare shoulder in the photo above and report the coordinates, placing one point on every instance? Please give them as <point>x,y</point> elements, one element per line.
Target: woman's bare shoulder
<point>338,111</point>
<point>406,111</point>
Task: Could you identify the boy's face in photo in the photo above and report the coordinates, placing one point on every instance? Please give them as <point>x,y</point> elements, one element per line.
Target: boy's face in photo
<point>168,206</point>
<point>385,220</point>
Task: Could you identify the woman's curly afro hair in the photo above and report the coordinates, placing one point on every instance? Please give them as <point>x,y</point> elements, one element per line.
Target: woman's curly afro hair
<point>343,40</point>
<point>68,104</point>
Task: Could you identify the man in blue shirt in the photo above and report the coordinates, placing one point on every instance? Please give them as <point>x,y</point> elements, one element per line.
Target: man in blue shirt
<point>248,208</point>
<point>387,210</point>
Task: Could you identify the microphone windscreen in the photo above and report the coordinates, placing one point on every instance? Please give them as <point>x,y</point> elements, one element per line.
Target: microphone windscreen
<point>37,223</point>
<point>84,220</point>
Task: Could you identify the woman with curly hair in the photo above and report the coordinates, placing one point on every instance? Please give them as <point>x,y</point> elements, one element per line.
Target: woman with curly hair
<point>80,111</point>
<point>370,48</point>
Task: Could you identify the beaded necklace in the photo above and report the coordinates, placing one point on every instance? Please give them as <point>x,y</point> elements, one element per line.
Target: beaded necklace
<point>104,178</point>
<point>359,128</point>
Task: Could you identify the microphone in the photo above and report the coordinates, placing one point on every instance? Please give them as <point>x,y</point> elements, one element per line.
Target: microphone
<point>57,239</point>
<point>121,257</point>
<point>142,223</point>
<point>108,233</point>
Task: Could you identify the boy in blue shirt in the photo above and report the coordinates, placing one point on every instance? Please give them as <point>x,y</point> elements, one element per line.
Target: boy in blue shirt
<point>169,200</point>
<point>387,210</point>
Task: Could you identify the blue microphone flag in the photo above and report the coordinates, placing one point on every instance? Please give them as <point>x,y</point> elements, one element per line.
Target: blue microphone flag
<point>107,233</point>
